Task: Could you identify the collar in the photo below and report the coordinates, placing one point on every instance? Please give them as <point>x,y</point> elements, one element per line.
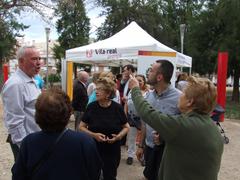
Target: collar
<point>82,83</point>
<point>163,92</point>
<point>24,76</point>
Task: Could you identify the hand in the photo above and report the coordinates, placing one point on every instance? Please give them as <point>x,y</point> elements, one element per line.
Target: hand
<point>113,139</point>
<point>133,82</point>
<point>139,154</point>
<point>100,137</point>
<point>124,99</point>
<point>156,138</point>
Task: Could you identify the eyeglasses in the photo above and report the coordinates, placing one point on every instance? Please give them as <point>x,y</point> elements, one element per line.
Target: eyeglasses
<point>100,89</point>
<point>36,58</point>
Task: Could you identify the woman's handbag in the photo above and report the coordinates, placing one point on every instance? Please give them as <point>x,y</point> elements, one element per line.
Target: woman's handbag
<point>134,121</point>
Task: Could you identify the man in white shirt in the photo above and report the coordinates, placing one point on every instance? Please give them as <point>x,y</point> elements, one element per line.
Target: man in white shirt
<point>19,95</point>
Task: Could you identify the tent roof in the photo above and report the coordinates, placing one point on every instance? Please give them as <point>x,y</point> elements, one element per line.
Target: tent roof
<point>121,46</point>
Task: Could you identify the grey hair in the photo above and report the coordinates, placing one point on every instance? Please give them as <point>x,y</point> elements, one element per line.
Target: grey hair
<point>81,75</point>
<point>21,51</point>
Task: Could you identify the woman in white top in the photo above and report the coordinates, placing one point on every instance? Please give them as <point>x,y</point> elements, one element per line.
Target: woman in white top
<point>92,85</point>
<point>134,120</point>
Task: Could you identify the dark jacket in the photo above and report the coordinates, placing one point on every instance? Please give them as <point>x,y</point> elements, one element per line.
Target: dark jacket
<point>80,96</point>
<point>75,157</point>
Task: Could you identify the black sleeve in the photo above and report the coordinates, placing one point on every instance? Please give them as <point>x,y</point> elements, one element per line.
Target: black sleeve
<point>122,115</point>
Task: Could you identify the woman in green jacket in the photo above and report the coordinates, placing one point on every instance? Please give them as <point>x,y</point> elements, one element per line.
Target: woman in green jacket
<point>194,144</point>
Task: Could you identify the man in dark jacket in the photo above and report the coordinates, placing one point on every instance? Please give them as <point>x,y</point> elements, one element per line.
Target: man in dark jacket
<point>80,97</point>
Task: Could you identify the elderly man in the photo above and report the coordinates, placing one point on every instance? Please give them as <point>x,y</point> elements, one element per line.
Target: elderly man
<point>19,95</point>
<point>80,97</point>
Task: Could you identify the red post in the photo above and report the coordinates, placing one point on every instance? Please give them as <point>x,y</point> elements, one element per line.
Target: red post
<point>221,79</point>
<point>5,72</point>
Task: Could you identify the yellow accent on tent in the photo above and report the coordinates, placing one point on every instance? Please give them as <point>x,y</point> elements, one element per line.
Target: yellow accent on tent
<point>70,79</point>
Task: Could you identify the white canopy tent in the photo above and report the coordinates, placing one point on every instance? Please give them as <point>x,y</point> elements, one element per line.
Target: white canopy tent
<point>126,46</point>
<point>123,46</point>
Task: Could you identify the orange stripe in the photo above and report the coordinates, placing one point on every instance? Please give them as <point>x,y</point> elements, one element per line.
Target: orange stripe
<point>157,53</point>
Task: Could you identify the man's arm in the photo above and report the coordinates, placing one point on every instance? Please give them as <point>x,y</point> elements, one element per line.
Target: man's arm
<point>14,115</point>
<point>139,152</point>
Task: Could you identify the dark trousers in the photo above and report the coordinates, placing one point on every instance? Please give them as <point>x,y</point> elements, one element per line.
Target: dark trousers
<point>14,148</point>
<point>153,157</point>
<point>111,155</point>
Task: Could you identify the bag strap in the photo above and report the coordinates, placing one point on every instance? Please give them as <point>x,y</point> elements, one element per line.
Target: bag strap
<point>47,154</point>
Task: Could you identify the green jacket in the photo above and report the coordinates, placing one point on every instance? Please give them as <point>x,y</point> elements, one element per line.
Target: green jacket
<point>194,145</point>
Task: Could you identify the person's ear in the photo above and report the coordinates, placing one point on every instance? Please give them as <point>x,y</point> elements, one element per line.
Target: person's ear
<point>159,77</point>
<point>190,102</point>
<point>20,61</point>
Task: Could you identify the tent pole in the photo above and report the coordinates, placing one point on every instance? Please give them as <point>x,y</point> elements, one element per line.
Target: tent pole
<point>190,70</point>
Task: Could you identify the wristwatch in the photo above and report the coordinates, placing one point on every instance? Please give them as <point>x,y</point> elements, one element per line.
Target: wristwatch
<point>140,146</point>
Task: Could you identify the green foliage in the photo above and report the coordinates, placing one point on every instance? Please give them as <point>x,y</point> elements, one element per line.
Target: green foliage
<point>73,25</point>
<point>58,54</point>
<point>120,13</point>
<point>229,38</point>
<point>10,27</point>
<point>9,30</point>
<point>232,108</point>
<point>211,26</point>
<point>52,78</point>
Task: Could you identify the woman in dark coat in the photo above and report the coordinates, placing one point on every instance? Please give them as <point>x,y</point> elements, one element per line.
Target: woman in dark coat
<point>56,152</point>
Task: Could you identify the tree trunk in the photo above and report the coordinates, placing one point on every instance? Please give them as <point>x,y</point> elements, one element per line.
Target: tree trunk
<point>235,93</point>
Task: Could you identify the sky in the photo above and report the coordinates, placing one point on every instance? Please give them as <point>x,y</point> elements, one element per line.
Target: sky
<point>36,31</point>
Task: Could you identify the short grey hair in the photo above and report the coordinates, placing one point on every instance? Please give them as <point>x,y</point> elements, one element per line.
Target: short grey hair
<point>81,75</point>
<point>21,51</point>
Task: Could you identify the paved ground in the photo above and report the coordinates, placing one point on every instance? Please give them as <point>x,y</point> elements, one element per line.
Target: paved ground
<point>230,167</point>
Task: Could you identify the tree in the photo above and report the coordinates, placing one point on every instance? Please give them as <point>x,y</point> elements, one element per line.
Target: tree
<point>73,26</point>
<point>229,38</point>
<point>10,28</point>
<point>213,31</point>
<point>201,39</point>
<point>58,54</point>
<point>211,26</point>
<point>120,13</point>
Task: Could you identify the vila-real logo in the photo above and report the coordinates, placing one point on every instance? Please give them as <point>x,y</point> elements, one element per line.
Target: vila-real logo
<point>89,53</point>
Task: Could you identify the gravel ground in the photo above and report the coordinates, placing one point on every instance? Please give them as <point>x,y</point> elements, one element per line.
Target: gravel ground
<point>230,167</point>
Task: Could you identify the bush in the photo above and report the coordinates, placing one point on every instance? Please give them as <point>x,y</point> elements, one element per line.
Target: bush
<point>53,78</point>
